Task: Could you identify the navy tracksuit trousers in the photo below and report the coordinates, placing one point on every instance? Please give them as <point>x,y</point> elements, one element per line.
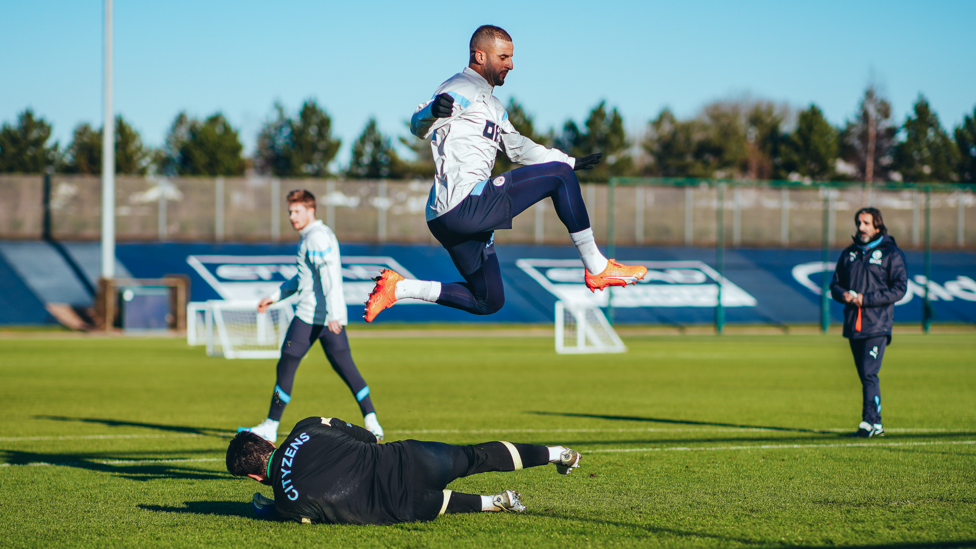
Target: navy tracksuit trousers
<point>868,353</point>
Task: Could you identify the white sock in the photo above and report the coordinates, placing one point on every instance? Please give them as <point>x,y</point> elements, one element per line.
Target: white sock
<point>426,290</point>
<point>554,452</point>
<point>593,260</point>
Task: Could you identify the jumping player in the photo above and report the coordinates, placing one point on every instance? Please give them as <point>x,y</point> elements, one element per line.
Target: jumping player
<point>329,471</point>
<point>467,125</point>
<point>320,315</point>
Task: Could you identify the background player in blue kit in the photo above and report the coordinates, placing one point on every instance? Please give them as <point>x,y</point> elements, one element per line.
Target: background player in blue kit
<point>870,278</point>
<point>467,126</point>
<point>320,315</point>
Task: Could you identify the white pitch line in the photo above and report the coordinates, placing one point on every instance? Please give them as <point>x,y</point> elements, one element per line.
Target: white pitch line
<point>109,462</point>
<point>492,431</point>
<point>93,437</point>
<point>779,446</point>
<point>670,430</point>
<point>600,451</point>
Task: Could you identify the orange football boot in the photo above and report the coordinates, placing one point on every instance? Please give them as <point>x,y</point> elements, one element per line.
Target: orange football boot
<point>616,274</point>
<point>383,295</point>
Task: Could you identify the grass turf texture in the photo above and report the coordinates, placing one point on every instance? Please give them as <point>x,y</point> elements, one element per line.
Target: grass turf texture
<point>687,441</point>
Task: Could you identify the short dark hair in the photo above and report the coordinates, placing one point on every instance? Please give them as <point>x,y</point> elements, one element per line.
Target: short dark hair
<point>248,454</point>
<point>876,219</point>
<point>302,197</point>
<point>485,35</point>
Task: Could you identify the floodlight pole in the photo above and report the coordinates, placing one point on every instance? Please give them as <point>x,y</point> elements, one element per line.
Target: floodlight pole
<point>927,302</point>
<point>720,258</point>
<point>108,156</point>
<point>825,260</point>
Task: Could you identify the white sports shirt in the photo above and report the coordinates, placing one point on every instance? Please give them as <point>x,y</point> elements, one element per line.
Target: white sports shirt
<point>465,144</point>
<point>319,278</point>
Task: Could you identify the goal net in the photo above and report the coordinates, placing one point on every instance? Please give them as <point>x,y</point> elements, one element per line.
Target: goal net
<point>583,329</point>
<point>235,329</point>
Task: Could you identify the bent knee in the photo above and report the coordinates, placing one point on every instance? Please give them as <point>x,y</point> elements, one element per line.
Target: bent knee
<point>562,168</point>
<point>492,305</point>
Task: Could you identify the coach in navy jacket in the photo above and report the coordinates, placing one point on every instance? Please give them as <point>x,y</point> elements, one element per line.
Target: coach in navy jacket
<point>870,278</point>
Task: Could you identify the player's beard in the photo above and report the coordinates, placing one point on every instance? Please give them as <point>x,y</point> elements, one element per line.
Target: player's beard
<point>496,73</point>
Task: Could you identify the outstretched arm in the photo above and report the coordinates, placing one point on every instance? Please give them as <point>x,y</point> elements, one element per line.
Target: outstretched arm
<point>440,106</point>
<point>522,150</point>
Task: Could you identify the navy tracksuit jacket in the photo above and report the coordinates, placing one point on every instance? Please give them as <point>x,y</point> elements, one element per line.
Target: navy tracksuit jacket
<point>877,272</point>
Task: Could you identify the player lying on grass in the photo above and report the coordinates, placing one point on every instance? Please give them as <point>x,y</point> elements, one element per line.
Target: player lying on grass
<point>329,471</point>
<point>467,126</point>
<point>320,315</point>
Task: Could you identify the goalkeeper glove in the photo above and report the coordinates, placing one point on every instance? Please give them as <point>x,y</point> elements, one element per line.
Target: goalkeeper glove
<point>587,162</point>
<point>442,106</point>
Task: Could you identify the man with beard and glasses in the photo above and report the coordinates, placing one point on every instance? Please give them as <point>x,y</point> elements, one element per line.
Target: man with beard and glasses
<point>870,278</point>
<point>467,126</point>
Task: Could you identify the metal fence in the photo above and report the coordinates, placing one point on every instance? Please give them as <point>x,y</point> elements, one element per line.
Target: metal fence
<point>631,211</point>
<point>786,213</point>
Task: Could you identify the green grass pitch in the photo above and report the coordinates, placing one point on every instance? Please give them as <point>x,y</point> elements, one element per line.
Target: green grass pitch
<point>688,441</point>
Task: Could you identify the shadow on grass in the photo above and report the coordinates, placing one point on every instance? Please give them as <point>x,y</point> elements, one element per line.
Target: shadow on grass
<point>204,431</point>
<point>220,508</point>
<point>905,545</point>
<point>837,438</point>
<point>125,467</point>
<point>651,529</point>
<point>685,422</point>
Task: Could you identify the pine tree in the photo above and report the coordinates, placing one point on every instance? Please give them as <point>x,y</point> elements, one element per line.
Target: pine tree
<point>965,135</point>
<point>373,156</point>
<point>671,145</point>
<point>84,153</point>
<point>927,154</point>
<point>24,148</point>
<point>297,147</point>
<point>604,132</point>
<point>811,150</point>
<point>207,148</point>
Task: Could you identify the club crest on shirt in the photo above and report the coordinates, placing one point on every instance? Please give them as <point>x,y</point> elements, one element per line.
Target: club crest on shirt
<point>875,257</point>
<point>499,181</point>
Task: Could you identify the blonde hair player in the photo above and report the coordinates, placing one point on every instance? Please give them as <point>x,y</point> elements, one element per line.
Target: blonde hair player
<point>319,316</point>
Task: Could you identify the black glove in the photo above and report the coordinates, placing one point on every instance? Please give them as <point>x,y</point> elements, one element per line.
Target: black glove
<point>442,106</point>
<point>587,162</point>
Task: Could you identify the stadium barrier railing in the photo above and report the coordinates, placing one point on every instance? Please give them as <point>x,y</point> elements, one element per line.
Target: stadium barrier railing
<point>638,211</point>
<point>810,214</point>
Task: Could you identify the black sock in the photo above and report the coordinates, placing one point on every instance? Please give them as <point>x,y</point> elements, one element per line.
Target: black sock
<point>464,503</point>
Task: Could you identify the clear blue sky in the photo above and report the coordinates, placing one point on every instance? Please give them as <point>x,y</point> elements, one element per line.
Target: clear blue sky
<point>362,59</point>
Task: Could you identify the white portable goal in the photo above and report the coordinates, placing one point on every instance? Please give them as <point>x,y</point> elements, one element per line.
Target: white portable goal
<point>235,329</point>
<point>583,329</point>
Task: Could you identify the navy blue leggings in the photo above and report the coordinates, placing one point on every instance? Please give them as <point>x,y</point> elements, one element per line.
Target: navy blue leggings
<point>467,231</point>
<point>299,339</point>
<point>555,180</point>
<point>868,354</point>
